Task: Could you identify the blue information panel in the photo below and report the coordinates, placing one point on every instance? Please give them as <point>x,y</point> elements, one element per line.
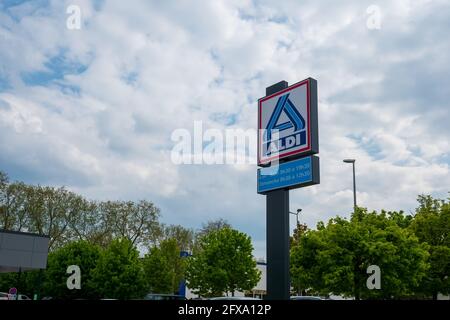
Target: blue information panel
<point>289,175</point>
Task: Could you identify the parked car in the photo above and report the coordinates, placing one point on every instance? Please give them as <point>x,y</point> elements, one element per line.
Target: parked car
<point>162,296</point>
<point>306,298</point>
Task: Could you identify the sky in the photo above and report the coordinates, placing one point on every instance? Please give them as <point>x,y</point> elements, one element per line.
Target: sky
<point>93,106</point>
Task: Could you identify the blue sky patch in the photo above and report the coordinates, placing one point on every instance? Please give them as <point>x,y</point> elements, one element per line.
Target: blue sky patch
<point>69,89</point>
<point>130,78</point>
<point>227,119</point>
<point>57,67</point>
<point>9,7</point>
<point>369,145</point>
<point>5,4</point>
<point>98,4</point>
<point>280,19</point>
<point>4,83</point>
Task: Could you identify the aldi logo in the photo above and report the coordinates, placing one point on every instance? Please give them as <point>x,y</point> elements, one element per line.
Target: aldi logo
<point>287,123</point>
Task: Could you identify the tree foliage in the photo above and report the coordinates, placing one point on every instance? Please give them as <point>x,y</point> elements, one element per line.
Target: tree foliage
<point>431,225</point>
<point>65,216</point>
<point>221,263</point>
<point>299,231</point>
<point>118,273</point>
<point>184,237</point>
<point>28,283</point>
<point>80,253</point>
<point>334,258</point>
<point>412,251</point>
<point>213,225</point>
<point>137,222</point>
<point>164,267</point>
<point>113,272</point>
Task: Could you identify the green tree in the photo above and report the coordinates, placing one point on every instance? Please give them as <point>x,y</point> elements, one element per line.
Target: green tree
<point>80,253</point>
<point>119,272</point>
<point>431,225</point>
<point>213,225</point>
<point>164,268</point>
<point>157,272</point>
<point>13,213</point>
<point>65,216</point>
<point>4,181</point>
<point>299,231</point>
<point>222,262</point>
<point>26,282</point>
<point>183,236</point>
<point>51,211</point>
<point>335,257</point>
<point>137,222</point>
<point>210,226</point>
<point>92,224</point>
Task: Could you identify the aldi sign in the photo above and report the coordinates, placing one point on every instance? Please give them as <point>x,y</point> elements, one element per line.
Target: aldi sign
<point>287,142</point>
<point>287,123</point>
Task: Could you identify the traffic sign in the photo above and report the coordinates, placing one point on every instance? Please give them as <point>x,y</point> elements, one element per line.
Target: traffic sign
<point>12,293</point>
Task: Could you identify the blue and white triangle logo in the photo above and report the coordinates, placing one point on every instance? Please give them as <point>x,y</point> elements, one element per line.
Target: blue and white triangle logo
<point>295,121</point>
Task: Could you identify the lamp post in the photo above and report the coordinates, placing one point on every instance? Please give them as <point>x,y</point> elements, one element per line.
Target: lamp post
<point>296,214</point>
<point>356,280</point>
<point>352,161</point>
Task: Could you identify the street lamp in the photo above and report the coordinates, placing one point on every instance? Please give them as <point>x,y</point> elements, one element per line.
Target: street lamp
<point>296,214</point>
<point>352,161</point>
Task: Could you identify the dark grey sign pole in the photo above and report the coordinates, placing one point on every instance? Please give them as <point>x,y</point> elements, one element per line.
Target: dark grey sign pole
<point>277,234</point>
